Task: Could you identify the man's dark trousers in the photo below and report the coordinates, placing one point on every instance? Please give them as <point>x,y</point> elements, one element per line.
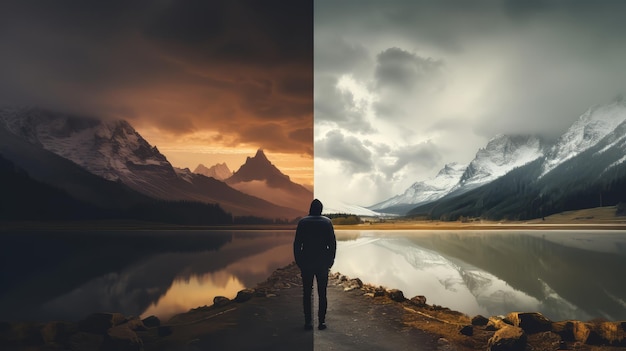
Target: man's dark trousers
<point>321,275</point>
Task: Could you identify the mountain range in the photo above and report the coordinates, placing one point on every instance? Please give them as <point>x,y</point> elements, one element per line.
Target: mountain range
<point>523,176</point>
<point>108,164</point>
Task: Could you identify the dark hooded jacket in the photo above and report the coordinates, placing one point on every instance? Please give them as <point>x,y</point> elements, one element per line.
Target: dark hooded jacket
<point>315,245</point>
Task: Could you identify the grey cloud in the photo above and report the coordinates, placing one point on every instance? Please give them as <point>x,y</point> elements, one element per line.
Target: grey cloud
<point>338,107</point>
<point>424,155</point>
<point>349,150</point>
<point>335,54</point>
<point>403,70</point>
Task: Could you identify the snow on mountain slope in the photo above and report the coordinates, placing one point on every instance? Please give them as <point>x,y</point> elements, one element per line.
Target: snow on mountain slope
<point>115,151</point>
<point>587,131</point>
<point>218,171</point>
<point>108,148</point>
<point>501,155</point>
<point>427,190</point>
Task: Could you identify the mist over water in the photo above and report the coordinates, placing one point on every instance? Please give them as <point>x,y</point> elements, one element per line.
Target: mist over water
<point>564,275</point>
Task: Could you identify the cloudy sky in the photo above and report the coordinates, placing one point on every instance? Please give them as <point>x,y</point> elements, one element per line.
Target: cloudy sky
<point>403,87</point>
<point>204,81</point>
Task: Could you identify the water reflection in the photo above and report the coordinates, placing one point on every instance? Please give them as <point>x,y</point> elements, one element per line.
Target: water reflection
<point>564,275</point>
<point>167,272</point>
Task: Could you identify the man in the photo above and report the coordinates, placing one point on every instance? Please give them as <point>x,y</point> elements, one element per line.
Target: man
<point>314,250</point>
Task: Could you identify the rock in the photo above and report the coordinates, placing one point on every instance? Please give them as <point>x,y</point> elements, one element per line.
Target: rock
<point>576,331</point>
<point>358,282</point>
<point>419,300</point>
<point>134,323</point>
<point>151,321</point>
<point>219,301</point>
<point>379,292</point>
<point>244,295</point>
<point>164,330</point>
<point>396,295</point>
<point>530,322</point>
<point>480,320</point>
<point>121,338</point>
<point>495,323</point>
<point>467,330</point>
<point>614,333</point>
<point>99,323</point>
<point>606,333</point>
<point>343,278</point>
<point>58,332</point>
<point>508,338</point>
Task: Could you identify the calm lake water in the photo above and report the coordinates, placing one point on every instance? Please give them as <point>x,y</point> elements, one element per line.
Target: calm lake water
<point>67,275</point>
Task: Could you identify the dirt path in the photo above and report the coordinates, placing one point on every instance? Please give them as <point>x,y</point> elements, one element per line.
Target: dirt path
<point>276,323</point>
<point>354,324</point>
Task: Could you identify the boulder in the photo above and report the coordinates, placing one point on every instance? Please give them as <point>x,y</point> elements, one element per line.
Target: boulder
<point>574,331</point>
<point>530,322</point>
<point>136,324</point>
<point>467,330</point>
<point>121,338</point>
<point>358,282</point>
<point>244,295</point>
<point>379,292</point>
<point>480,320</point>
<point>495,323</point>
<point>99,323</point>
<point>508,338</point>
<point>396,295</point>
<point>219,301</point>
<point>607,333</point>
<point>151,321</point>
<point>419,300</point>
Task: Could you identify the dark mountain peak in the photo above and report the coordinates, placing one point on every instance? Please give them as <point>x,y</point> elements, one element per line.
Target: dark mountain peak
<point>260,155</point>
<point>259,167</point>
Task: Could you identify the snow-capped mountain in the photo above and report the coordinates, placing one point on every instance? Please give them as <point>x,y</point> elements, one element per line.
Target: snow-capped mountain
<point>502,154</point>
<point>587,131</point>
<point>424,191</point>
<point>113,150</point>
<point>260,178</point>
<point>219,171</point>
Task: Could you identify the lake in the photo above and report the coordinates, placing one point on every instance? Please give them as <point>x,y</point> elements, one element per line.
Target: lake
<point>65,275</point>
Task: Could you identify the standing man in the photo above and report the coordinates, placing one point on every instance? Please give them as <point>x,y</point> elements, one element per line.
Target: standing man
<point>314,250</point>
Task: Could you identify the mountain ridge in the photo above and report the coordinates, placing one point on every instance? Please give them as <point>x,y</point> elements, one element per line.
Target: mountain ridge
<point>601,129</point>
<point>113,150</point>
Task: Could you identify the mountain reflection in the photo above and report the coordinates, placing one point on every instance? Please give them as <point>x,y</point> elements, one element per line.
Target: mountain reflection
<point>168,272</point>
<point>563,275</point>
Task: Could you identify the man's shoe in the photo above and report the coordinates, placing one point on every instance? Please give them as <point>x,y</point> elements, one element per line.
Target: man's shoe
<point>322,326</point>
<point>308,326</point>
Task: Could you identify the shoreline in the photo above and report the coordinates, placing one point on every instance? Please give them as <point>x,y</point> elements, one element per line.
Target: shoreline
<point>244,319</point>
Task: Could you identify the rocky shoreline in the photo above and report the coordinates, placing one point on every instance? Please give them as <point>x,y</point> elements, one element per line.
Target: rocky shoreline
<point>452,330</point>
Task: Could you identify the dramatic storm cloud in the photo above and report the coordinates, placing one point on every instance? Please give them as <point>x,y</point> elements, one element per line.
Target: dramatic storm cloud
<point>188,74</point>
<point>407,86</point>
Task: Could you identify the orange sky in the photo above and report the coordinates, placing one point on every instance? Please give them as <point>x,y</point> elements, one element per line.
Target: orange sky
<point>205,82</point>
